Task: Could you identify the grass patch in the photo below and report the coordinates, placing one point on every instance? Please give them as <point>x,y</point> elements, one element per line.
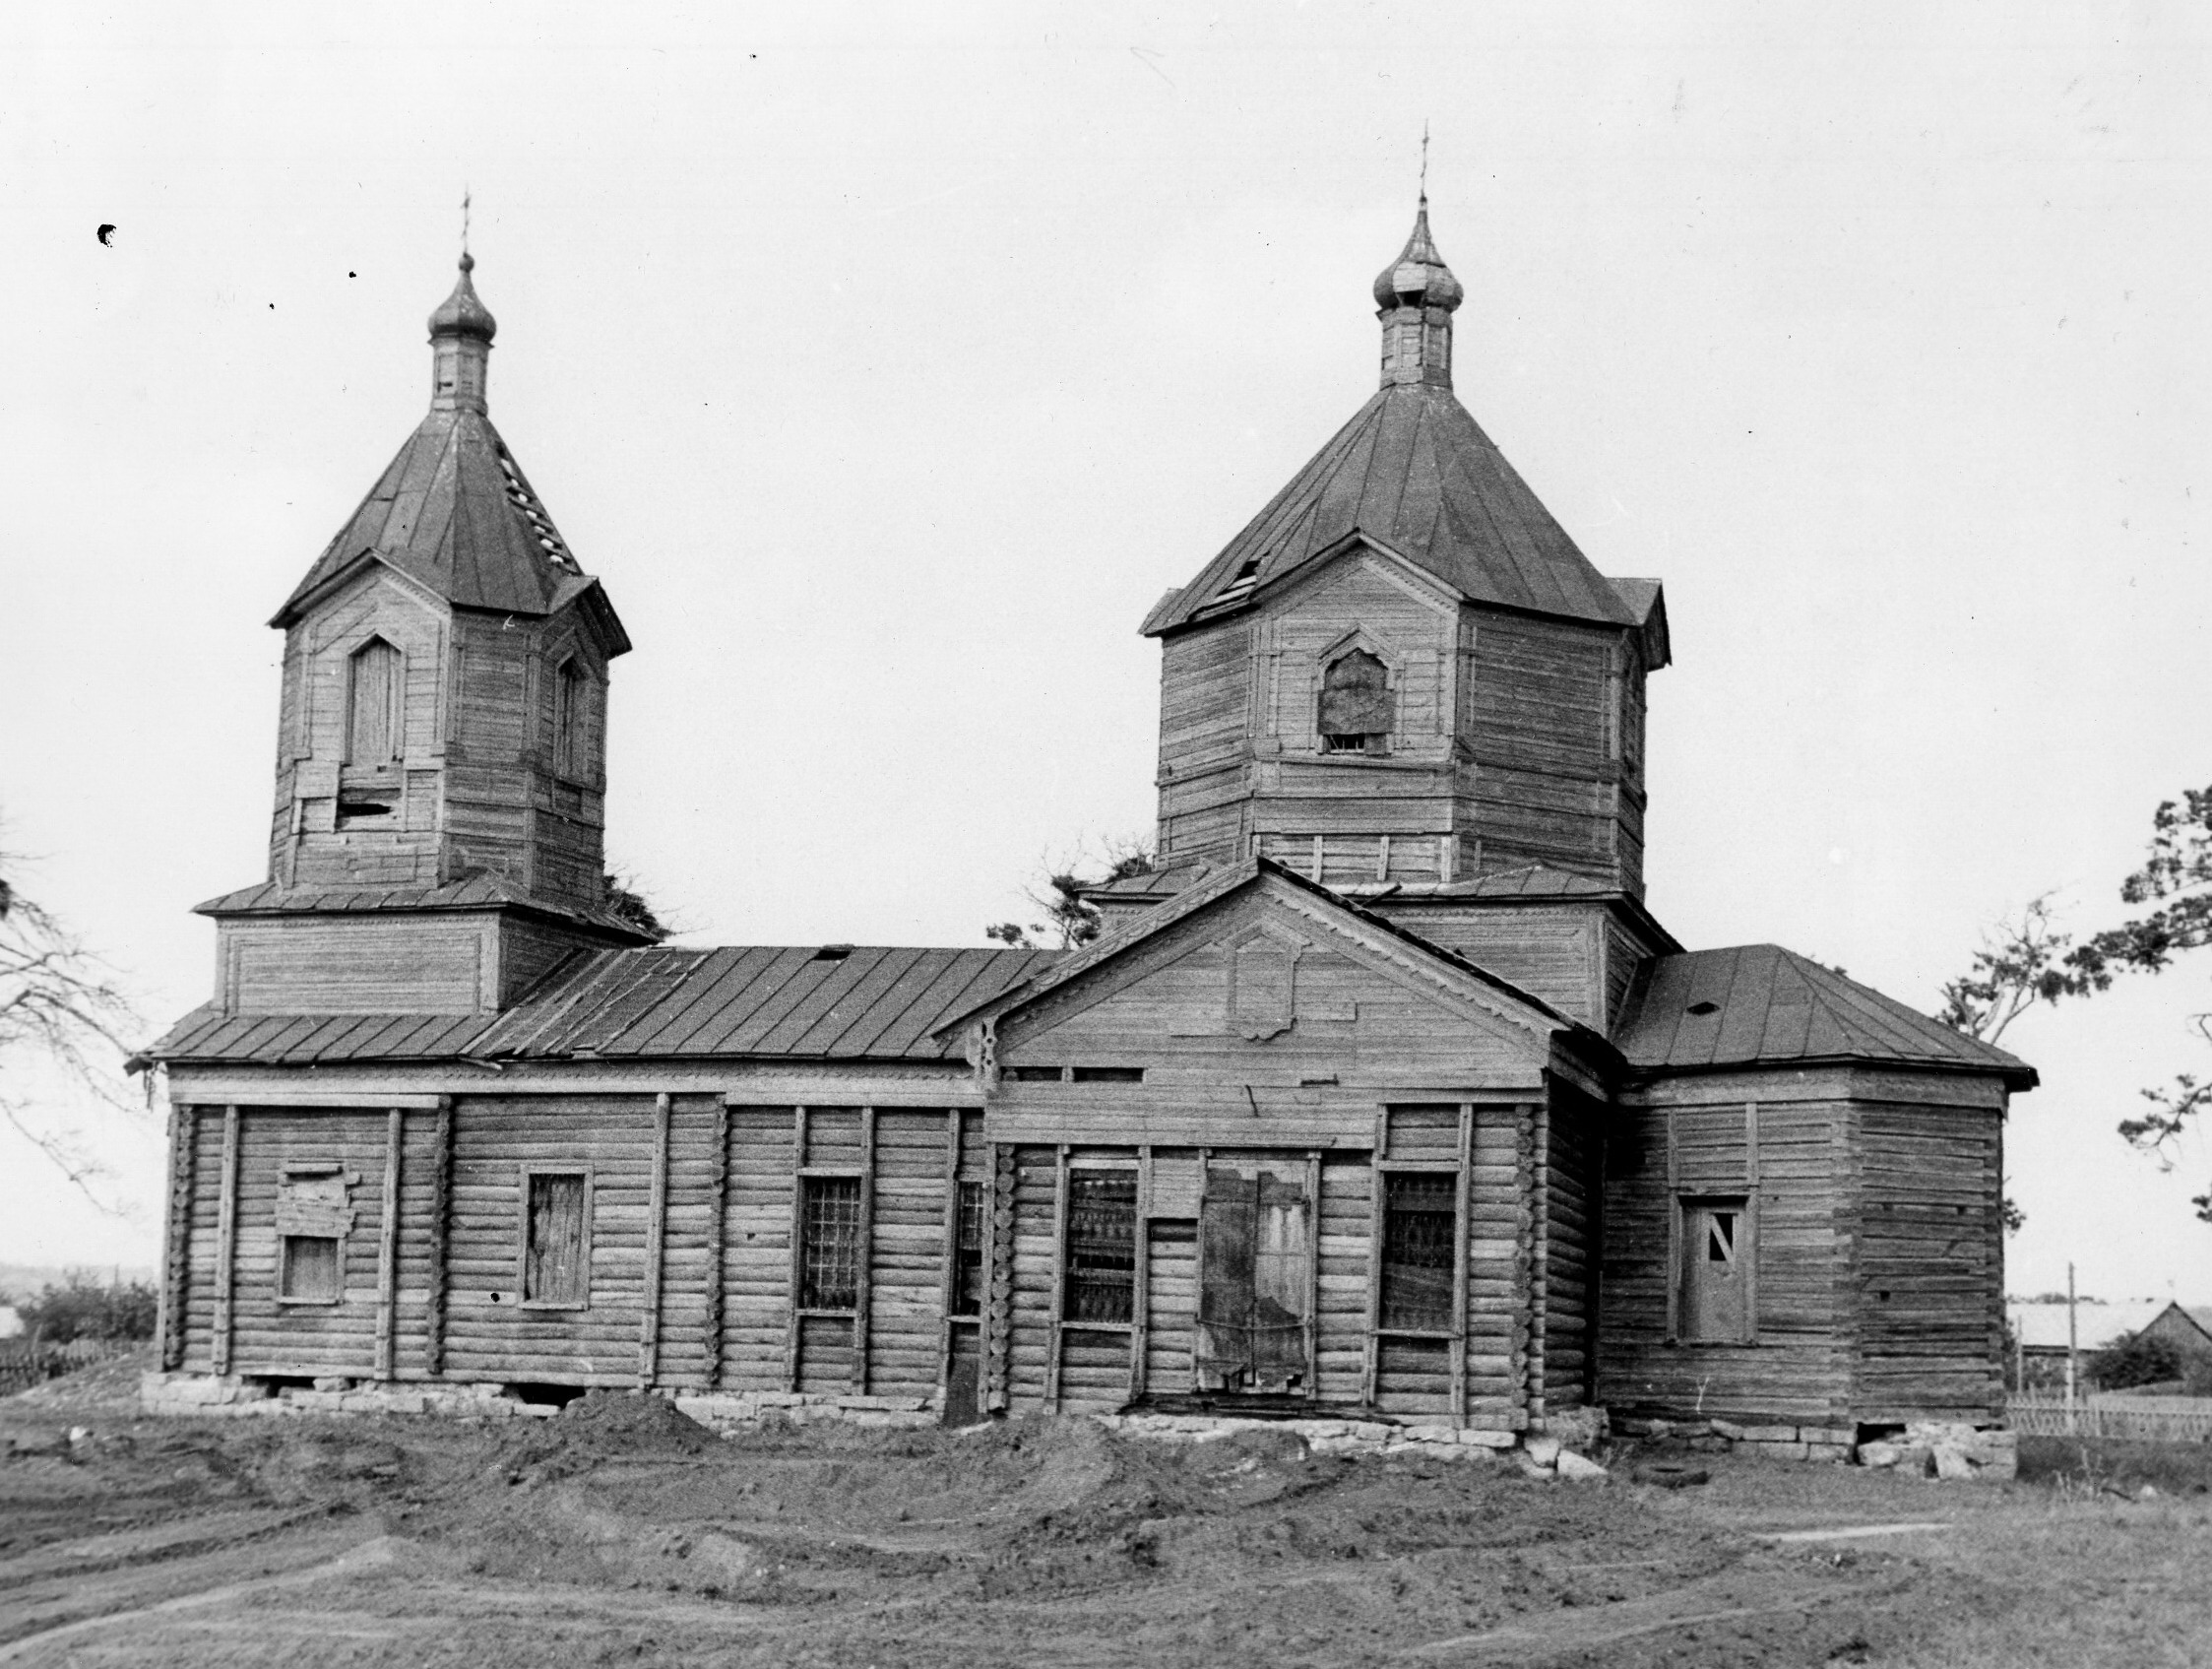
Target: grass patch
<point>2118,1463</point>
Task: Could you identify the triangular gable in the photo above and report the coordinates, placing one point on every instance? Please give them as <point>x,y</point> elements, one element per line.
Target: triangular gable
<point>1441,977</point>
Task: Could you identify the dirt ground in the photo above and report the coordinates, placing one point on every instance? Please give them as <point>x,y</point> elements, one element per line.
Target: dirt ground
<point>620,1532</point>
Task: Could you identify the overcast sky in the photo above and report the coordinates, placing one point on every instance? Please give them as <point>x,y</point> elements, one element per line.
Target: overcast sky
<point>887,364</point>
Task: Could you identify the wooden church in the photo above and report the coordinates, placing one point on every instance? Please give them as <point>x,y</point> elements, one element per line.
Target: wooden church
<point>1384,1097</point>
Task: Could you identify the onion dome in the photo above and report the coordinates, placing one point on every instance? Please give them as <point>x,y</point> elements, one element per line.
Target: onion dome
<point>462,313</point>
<point>1418,277</point>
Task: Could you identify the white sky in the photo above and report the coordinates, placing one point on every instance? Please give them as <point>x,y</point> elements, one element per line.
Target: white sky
<point>888,363</point>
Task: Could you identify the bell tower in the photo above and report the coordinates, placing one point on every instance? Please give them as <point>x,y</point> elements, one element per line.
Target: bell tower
<point>441,758</point>
<point>1403,678</point>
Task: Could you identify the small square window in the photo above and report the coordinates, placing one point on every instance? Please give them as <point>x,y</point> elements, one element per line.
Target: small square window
<point>309,1270</point>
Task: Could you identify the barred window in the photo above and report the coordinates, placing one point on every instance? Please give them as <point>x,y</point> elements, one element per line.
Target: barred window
<point>1420,1218</point>
<point>968,1252</point>
<point>1101,1247</point>
<point>830,1244</point>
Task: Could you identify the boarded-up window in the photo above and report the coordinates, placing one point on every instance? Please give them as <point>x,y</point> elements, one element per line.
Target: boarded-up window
<point>1354,715</point>
<point>1255,1275</point>
<point>1419,1228</point>
<point>967,1253</point>
<point>1102,1243</point>
<point>571,719</point>
<point>309,1273</point>
<point>557,1256</point>
<point>830,1244</point>
<point>1716,1271</point>
<point>372,704</point>
<point>313,1218</point>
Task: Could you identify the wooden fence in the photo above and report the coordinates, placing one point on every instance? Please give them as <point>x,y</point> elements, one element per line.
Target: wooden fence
<point>25,1363</point>
<point>2112,1414</point>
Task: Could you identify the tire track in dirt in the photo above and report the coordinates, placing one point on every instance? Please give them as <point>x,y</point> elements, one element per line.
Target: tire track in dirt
<point>128,1584</point>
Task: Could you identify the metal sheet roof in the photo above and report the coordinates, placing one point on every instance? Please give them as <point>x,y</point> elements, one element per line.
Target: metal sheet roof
<point>1413,472</point>
<point>472,892</point>
<point>455,512</point>
<point>802,1002</point>
<point>1753,1004</point>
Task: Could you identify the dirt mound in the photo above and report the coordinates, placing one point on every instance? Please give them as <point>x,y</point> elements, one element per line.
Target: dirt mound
<point>595,1428</point>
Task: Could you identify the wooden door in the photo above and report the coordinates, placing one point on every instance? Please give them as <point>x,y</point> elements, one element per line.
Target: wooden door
<point>1254,1278</point>
<point>1715,1271</point>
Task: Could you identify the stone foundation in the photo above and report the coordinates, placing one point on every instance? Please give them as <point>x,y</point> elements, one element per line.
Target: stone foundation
<point>1560,1449</point>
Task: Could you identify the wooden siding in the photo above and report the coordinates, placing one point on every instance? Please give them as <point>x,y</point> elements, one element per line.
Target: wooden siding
<point>1554,785</point>
<point>1930,1266</point>
<point>1551,952</point>
<point>1789,1158</point>
<point>356,965</point>
<point>1205,701</point>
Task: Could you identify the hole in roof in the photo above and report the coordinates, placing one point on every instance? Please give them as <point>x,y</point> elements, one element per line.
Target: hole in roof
<point>833,954</point>
<point>1240,586</point>
<point>1705,1007</point>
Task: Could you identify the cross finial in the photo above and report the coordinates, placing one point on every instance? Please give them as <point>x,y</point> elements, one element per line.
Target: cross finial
<point>1425,163</point>
<point>465,202</point>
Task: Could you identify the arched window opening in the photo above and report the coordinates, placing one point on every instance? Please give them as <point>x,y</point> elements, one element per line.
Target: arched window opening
<point>571,719</point>
<point>374,687</point>
<point>1354,715</point>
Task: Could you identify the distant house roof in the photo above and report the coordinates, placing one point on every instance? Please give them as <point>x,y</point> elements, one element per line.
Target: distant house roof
<point>1757,1004</point>
<point>831,1003</point>
<point>1414,472</point>
<point>2186,1325</point>
<point>2042,1326</point>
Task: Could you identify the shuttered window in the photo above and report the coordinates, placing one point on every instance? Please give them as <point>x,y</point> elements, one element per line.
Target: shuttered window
<point>830,1244</point>
<point>1419,1224</point>
<point>1102,1246</point>
<point>1355,715</point>
<point>372,704</point>
<point>556,1258</point>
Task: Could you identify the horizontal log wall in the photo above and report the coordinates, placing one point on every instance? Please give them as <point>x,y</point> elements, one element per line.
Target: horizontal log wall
<point>1930,1279</point>
<point>1788,1157</point>
<point>1571,1251</point>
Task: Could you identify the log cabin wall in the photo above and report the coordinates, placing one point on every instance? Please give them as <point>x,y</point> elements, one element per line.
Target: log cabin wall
<point>1775,1148</point>
<point>1576,1131</point>
<point>1930,1243</point>
<point>1554,722</point>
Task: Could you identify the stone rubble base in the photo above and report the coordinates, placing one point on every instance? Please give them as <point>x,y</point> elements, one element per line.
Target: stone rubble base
<point>1927,1449</point>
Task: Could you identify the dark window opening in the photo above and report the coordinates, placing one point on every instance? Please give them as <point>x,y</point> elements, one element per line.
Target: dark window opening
<point>353,810</point>
<point>1356,705</point>
<point>1720,1238</point>
<point>1035,1074</point>
<point>967,1277</point>
<point>1419,1224</point>
<point>1101,1247</point>
<point>555,1256</point>
<point>1108,1074</point>
<point>571,751</point>
<point>830,1244</point>
<point>1704,1008</point>
<point>833,954</point>
<point>309,1273</point>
